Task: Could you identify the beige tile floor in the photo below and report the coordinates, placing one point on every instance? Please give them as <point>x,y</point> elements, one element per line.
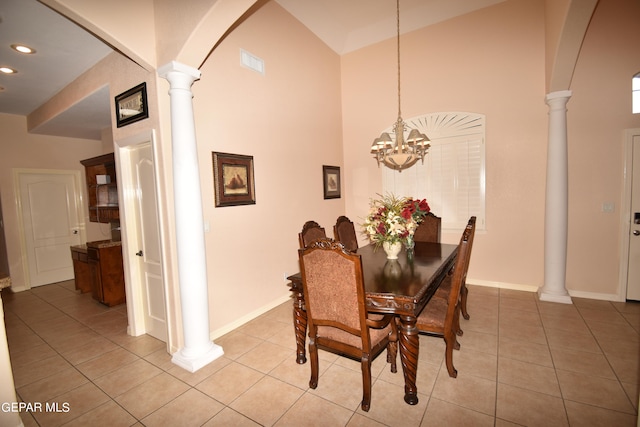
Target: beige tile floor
<point>521,362</point>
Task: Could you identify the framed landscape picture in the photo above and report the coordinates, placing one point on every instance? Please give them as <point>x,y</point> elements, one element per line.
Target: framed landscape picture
<point>131,105</point>
<point>331,182</point>
<point>233,179</point>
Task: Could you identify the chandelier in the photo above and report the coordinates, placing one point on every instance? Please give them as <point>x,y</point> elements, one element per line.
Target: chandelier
<point>406,146</point>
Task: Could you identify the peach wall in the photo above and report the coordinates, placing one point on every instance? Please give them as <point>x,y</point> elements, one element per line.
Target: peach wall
<point>200,38</point>
<point>599,111</point>
<point>174,24</point>
<point>489,62</point>
<point>289,120</point>
<point>19,149</point>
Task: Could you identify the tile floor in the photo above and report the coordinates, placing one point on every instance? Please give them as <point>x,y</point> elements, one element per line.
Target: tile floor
<point>521,362</point>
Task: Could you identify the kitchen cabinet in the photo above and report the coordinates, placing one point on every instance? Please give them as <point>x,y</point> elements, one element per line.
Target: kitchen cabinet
<point>102,189</point>
<point>107,273</point>
<point>81,269</point>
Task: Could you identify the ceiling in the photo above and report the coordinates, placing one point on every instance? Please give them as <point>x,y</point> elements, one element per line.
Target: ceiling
<point>64,51</point>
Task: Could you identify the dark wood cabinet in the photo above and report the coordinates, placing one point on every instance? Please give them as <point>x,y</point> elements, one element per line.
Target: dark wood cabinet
<point>102,190</point>
<point>107,274</point>
<point>81,269</point>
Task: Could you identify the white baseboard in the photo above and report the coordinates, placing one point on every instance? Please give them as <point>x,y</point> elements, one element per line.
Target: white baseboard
<point>594,295</point>
<point>503,285</point>
<point>249,316</point>
<point>533,288</point>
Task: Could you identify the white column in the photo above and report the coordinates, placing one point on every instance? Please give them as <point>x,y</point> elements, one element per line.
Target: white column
<point>556,207</point>
<point>198,348</point>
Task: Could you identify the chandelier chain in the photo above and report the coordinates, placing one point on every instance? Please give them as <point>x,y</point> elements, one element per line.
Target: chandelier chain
<point>402,151</point>
<point>398,49</point>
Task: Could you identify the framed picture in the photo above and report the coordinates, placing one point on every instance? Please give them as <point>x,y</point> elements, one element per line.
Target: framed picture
<point>131,105</point>
<point>331,182</point>
<point>233,179</point>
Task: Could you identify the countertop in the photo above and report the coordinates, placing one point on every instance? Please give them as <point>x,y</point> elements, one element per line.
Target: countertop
<point>97,244</point>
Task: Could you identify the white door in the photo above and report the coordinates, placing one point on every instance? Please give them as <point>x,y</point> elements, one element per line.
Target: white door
<point>149,250</point>
<point>633,275</point>
<point>49,211</point>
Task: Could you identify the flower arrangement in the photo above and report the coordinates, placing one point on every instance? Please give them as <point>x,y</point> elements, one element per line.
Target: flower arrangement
<point>393,220</point>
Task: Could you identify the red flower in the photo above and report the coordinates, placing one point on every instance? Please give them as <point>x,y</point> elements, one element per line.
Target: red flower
<point>423,205</point>
<point>406,213</point>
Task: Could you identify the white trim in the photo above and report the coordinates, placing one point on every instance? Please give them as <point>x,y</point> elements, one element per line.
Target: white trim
<point>625,213</point>
<point>534,288</point>
<point>502,285</point>
<point>250,316</point>
<point>135,306</point>
<point>596,296</point>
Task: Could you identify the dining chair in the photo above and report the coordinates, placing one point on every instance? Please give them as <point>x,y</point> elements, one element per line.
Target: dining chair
<point>345,233</point>
<point>337,317</point>
<point>429,229</point>
<point>441,315</point>
<point>311,231</point>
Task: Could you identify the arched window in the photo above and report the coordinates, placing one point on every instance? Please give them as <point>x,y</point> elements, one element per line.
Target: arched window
<point>635,88</point>
<point>452,178</point>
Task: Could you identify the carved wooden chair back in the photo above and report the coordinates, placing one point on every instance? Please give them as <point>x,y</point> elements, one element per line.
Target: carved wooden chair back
<point>337,317</point>
<point>429,229</point>
<point>311,231</point>
<point>441,315</point>
<point>344,231</point>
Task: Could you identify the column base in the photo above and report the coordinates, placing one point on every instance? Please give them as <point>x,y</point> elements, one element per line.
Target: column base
<point>193,363</point>
<point>546,296</point>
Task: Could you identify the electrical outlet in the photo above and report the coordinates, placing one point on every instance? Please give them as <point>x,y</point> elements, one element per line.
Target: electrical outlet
<point>608,207</point>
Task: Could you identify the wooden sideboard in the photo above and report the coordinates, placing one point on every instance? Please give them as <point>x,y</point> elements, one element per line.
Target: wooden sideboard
<point>81,269</point>
<point>98,269</point>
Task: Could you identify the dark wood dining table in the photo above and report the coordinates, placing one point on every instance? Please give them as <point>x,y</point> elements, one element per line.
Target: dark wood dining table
<point>401,287</point>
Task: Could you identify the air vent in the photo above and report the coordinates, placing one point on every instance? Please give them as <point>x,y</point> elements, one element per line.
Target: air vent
<point>251,61</point>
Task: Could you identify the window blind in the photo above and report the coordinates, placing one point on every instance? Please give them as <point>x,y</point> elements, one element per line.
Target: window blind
<point>452,178</point>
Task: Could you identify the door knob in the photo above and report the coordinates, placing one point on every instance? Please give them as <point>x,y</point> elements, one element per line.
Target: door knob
<point>636,232</point>
<point>139,253</point>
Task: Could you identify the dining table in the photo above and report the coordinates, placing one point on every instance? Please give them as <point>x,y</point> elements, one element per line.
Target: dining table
<point>402,287</point>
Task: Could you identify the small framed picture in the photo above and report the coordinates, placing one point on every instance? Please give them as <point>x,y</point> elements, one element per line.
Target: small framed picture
<point>131,105</point>
<point>331,182</point>
<point>233,179</point>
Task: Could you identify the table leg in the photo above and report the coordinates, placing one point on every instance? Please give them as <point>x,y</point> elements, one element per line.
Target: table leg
<point>409,348</point>
<point>300,325</point>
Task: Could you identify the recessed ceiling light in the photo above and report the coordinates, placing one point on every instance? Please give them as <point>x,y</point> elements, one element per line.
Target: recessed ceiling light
<point>22,48</point>
<point>7,70</point>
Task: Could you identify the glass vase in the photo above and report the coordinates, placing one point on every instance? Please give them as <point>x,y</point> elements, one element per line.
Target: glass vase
<point>409,243</point>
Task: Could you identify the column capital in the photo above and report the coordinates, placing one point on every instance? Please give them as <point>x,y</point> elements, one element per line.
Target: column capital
<point>558,94</point>
<point>165,71</point>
